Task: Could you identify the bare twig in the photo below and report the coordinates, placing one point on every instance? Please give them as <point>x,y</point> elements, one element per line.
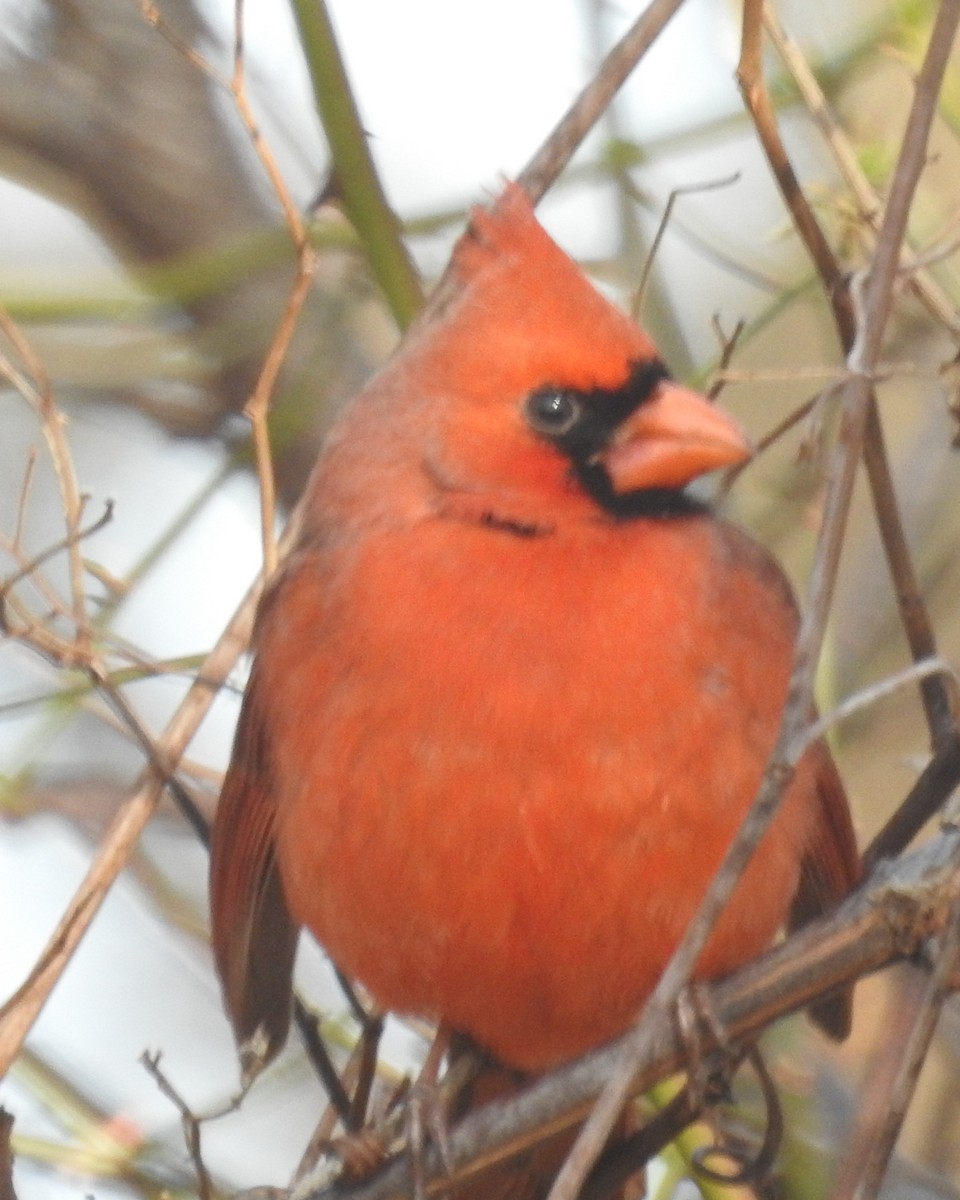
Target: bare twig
<point>188,1120</point>
<point>759,105</point>
<point>937,781</point>
<point>38,392</point>
<point>24,499</point>
<point>728,344</point>
<point>940,985</point>
<point>869,695</point>
<point>6,1157</point>
<point>258,404</point>
<point>153,16</point>
<point>636,305</point>
<point>877,294</point>
<point>882,272</point>
<point>938,694</point>
<point>21,1010</point>
<point>309,1028</point>
<point>937,302</point>
<point>542,171</point>
<point>29,569</point>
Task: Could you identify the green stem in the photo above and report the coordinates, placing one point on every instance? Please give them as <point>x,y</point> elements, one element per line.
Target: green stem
<point>355,174</point>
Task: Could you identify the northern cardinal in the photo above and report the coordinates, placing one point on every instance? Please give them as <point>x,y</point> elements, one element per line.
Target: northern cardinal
<point>514,690</point>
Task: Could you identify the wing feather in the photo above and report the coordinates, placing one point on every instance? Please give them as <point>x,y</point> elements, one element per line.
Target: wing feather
<point>829,870</point>
<point>254,936</point>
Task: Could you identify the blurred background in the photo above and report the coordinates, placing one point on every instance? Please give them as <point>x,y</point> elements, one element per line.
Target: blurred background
<point>144,256</point>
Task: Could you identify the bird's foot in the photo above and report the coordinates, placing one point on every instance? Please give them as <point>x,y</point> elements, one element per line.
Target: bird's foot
<point>697,1023</point>
<point>417,1118</point>
<point>360,1153</point>
<point>709,1083</point>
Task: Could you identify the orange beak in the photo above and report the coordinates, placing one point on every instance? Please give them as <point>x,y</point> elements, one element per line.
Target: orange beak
<point>670,439</point>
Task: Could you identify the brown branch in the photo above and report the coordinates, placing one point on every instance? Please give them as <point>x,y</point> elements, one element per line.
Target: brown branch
<point>692,189</point>
<point>189,1122</point>
<point>888,920</point>
<point>882,272</point>
<point>861,317</point>
<point>38,392</point>
<point>938,779</point>
<point>19,1013</point>
<point>877,298</point>
<point>939,987</point>
<point>30,568</point>
<point>756,96</point>
<point>257,407</point>
<point>7,1191</point>
<point>542,171</point>
<point>938,693</point>
<point>545,166</point>
<point>869,204</point>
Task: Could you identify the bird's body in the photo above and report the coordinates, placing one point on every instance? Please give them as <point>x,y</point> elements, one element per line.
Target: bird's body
<point>513,693</point>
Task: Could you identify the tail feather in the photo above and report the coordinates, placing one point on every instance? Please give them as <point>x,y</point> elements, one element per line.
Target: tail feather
<point>830,869</point>
<point>254,936</point>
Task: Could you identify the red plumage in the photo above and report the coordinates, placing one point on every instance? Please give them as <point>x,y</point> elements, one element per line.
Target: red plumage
<point>513,693</point>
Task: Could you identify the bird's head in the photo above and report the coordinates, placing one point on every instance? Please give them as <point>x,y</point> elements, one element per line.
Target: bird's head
<point>544,392</point>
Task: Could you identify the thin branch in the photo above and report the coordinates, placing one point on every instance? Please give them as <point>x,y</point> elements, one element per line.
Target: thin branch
<point>258,406</point>
<point>189,1121</point>
<point>876,297</point>
<point>39,394</point>
<point>760,106</point>
<point>72,539</point>
<point>939,987</point>
<point>636,305</point>
<point>24,499</point>
<point>154,17</point>
<point>19,1013</point>
<point>542,171</point>
<point>728,344</point>
<point>934,298</point>
<point>939,778</point>
<point>7,1191</point>
<point>882,272</point>
<point>868,696</point>
<point>939,695</point>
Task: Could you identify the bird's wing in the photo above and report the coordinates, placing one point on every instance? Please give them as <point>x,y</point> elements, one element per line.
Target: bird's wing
<point>829,870</point>
<point>254,936</point>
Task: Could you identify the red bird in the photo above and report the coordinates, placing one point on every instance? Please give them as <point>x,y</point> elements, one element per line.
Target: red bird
<point>514,690</point>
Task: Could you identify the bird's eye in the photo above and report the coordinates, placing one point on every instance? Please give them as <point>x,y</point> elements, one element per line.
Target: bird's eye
<point>552,412</point>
